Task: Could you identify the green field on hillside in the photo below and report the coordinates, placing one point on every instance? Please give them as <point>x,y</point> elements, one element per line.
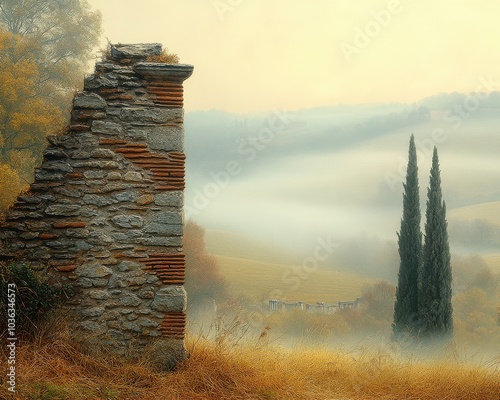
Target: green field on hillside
<point>256,280</point>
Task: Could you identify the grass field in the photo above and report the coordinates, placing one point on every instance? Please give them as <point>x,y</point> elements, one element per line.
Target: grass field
<point>255,269</point>
<point>257,280</point>
<point>232,244</point>
<point>56,370</point>
<point>489,212</point>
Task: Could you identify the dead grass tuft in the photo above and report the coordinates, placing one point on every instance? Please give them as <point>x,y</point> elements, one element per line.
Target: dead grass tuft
<point>165,57</point>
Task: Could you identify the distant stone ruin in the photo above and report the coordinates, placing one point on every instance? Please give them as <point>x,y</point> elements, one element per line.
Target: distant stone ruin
<point>105,211</point>
<point>319,307</point>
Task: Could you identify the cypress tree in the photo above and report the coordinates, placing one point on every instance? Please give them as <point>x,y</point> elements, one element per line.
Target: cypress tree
<point>435,308</point>
<point>410,252</point>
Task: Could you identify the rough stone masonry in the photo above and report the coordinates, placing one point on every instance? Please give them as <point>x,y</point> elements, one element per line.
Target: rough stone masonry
<point>104,213</point>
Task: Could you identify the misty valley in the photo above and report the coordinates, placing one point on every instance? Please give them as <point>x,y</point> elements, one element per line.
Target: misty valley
<point>249,200</point>
<point>301,208</point>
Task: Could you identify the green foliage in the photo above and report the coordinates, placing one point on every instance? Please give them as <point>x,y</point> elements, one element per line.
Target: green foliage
<point>423,298</point>
<point>410,250</point>
<point>435,307</point>
<point>34,298</point>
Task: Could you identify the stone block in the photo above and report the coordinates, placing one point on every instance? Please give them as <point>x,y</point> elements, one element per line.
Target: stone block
<point>166,138</point>
<point>94,327</point>
<point>99,237</point>
<point>96,164</point>
<point>170,199</point>
<point>89,100</point>
<point>131,326</point>
<point>136,281</point>
<point>94,271</point>
<point>147,322</point>
<point>95,174</point>
<point>66,142</point>
<point>133,176</point>
<point>93,311</point>
<point>128,221</point>
<point>167,217</point>
<point>52,154</point>
<point>170,299</point>
<point>146,294</point>
<point>145,199</point>
<point>63,210</point>
<point>100,282</point>
<point>130,300</point>
<point>107,128</point>
<point>126,237</point>
<point>137,134</point>
<point>148,115</point>
<point>102,153</point>
<point>99,201</point>
<point>114,176</point>
<point>125,266</point>
<point>47,176</point>
<point>135,51</point>
<point>93,82</point>
<point>84,282</point>
<point>57,166</point>
<point>114,187</point>
<point>163,229</point>
<point>99,294</point>
<point>162,241</point>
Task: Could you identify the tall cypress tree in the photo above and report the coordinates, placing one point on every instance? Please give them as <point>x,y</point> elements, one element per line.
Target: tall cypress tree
<point>435,308</point>
<point>410,252</point>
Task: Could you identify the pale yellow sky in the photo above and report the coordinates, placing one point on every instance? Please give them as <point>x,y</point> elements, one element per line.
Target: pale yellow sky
<point>254,55</point>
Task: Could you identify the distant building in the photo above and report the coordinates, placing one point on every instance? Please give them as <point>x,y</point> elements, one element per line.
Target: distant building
<point>319,307</point>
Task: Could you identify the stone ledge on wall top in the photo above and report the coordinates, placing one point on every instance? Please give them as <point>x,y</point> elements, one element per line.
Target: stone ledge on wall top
<point>176,72</point>
<point>139,53</point>
<point>135,51</point>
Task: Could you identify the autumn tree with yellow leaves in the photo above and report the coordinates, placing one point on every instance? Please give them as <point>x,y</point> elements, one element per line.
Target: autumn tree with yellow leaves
<point>45,46</point>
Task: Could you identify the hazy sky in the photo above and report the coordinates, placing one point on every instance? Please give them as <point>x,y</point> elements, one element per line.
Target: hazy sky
<point>254,55</point>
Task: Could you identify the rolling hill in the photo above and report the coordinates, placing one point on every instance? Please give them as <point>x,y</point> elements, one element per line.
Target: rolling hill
<point>257,271</point>
<point>489,212</point>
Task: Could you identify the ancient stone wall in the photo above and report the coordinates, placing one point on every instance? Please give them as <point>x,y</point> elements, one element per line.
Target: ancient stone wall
<point>105,211</point>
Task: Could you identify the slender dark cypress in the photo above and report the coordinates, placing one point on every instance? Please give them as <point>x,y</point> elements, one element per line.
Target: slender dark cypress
<point>410,253</point>
<point>435,308</point>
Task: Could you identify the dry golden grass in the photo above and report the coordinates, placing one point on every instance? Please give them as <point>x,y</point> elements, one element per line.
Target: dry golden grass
<point>57,370</point>
<point>165,57</point>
